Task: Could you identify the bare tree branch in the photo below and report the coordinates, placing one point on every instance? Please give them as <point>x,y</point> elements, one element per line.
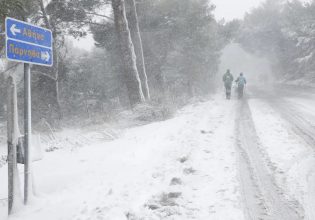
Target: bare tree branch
<point>10,68</point>
<point>99,15</point>
<point>89,22</point>
<point>44,74</point>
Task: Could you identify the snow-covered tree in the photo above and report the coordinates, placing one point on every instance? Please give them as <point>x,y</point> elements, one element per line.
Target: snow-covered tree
<point>133,23</point>
<point>127,53</point>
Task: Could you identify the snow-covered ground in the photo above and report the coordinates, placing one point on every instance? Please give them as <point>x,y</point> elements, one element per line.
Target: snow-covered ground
<point>182,168</point>
<point>285,126</point>
<point>208,162</point>
<point>290,160</point>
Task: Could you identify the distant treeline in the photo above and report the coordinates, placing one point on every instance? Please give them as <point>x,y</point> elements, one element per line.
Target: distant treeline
<point>181,46</point>
<point>284,32</point>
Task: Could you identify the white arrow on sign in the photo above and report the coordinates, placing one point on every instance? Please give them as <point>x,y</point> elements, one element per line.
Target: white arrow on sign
<point>15,30</point>
<point>45,56</point>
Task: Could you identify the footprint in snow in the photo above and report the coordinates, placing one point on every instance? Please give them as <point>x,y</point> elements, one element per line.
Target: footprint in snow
<point>206,132</point>
<point>163,200</point>
<point>189,171</point>
<point>174,195</point>
<point>110,192</point>
<point>183,159</point>
<point>207,151</point>
<point>176,181</point>
<point>222,192</point>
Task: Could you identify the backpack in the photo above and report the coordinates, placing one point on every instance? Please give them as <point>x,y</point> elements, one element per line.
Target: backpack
<point>241,81</point>
<point>228,79</point>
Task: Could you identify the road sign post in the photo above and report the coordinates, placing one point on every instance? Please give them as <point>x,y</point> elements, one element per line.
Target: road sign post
<point>27,132</point>
<point>28,44</point>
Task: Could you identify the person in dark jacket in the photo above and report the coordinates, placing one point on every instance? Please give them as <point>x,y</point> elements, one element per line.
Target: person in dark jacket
<point>228,80</point>
<point>241,83</point>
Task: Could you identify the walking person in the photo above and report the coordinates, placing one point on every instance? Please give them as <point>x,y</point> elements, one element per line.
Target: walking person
<point>228,80</point>
<point>241,83</point>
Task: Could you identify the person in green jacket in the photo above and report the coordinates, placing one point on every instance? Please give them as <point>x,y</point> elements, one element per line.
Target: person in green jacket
<point>228,80</point>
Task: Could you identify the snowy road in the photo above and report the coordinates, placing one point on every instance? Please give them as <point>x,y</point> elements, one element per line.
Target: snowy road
<point>220,160</point>
<point>293,111</point>
<point>266,200</point>
<point>300,116</point>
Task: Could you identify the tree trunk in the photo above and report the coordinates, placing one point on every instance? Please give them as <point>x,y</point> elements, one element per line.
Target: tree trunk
<point>56,79</point>
<point>128,57</point>
<point>13,133</point>
<point>160,85</point>
<point>55,68</point>
<point>137,41</point>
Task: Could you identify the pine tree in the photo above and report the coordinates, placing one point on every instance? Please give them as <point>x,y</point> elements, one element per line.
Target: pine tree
<point>127,52</point>
<point>137,41</point>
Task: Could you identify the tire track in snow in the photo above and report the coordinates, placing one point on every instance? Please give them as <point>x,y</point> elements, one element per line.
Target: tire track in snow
<point>304,129</point>
<point>251,195</point>
<point>300,125</point>
<point>262,197</point>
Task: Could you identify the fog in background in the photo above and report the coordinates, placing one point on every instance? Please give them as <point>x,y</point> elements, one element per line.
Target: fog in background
<point>256,69</point>
<point>235,9</point>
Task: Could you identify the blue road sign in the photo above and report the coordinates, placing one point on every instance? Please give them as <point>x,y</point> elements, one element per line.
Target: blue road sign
<point>22,31</point>
<point>28,53</point>
<point>28,43</point>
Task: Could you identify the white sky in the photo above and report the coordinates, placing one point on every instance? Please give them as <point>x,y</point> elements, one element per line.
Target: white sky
<point>231,9</point>
<point>86,43</point>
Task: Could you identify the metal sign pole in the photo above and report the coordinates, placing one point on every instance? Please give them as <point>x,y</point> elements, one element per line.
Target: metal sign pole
<point>27,131</point>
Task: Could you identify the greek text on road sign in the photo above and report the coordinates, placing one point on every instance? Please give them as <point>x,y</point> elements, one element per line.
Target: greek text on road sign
<point>28,43</point>
<point>21,31</point>
<point>28,53</point>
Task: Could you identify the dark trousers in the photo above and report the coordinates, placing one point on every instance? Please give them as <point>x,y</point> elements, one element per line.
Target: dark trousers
<point>228,89</point>
<point>240,91</point>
